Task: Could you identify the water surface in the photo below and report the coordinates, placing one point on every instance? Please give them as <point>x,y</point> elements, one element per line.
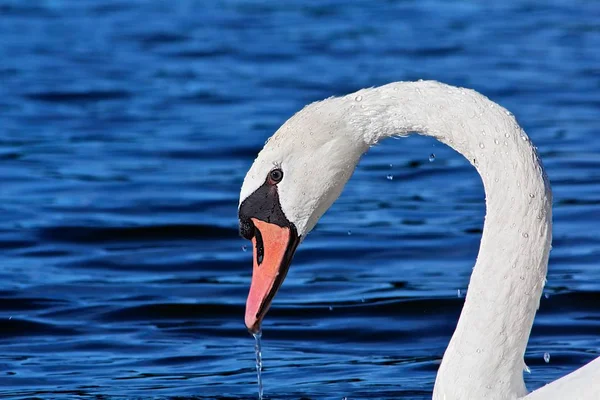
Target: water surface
<point>126,128</point>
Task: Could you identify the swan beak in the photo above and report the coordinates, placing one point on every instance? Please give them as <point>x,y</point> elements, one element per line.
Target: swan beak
<point>274,247</point>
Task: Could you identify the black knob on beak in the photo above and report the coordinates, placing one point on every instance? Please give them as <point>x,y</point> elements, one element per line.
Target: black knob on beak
<point>246,228</point>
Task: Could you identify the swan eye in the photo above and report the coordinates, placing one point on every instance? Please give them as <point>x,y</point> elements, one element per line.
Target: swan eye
<point>275,176</point>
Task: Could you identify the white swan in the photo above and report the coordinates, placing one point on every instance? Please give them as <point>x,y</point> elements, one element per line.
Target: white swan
<point>304,166</point>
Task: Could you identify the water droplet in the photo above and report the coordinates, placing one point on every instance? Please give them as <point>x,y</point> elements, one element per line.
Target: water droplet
<point>391,165</point>
<point>349,233</point>
<point>358,98</point>
<point>523,137</point>
<point>390,177</point>
<point>479,350</point>
<point>496,141</point>
<point>431,157</point>
<point>483,132</point>
<point>525,235</point>
<point>547,295</point>
<point>259,365</point>
<point>546,358</point>
<point>526,368</point>
<point>522,277</point>
<point>244,248</point>
<point>505,143</point>
<point>458,294</point>
<point>532,195</point>
<point>481,145</point>
<point>330,308</point>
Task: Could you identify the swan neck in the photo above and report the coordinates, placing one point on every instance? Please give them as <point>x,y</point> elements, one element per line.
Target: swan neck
<point>485,355</point>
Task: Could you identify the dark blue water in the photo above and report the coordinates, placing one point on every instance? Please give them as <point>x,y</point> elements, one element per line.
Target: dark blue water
<point>126,128</point>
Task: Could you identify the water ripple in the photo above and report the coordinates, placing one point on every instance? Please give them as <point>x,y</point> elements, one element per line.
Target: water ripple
<point>128,126</point>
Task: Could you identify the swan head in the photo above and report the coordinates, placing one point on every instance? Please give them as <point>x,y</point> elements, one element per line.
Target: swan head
<point>295,178</point>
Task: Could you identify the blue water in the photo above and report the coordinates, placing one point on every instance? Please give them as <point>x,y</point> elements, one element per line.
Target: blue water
<point>126,128</point>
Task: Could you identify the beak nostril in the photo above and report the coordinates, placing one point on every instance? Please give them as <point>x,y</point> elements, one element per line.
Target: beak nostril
<point>260,248</point>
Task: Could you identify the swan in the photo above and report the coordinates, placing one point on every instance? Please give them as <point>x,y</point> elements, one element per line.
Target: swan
<point>304,166</point>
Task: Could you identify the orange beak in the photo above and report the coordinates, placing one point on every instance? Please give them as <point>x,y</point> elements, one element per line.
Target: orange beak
<point>274,247</point>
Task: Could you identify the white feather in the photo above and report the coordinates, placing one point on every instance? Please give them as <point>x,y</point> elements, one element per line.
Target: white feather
<point>318,149</point>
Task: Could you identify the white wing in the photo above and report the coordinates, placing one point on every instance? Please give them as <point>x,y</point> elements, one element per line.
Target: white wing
<point>582,384</point>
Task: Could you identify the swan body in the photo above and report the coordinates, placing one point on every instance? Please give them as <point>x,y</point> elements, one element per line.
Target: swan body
<point>304,166</point>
